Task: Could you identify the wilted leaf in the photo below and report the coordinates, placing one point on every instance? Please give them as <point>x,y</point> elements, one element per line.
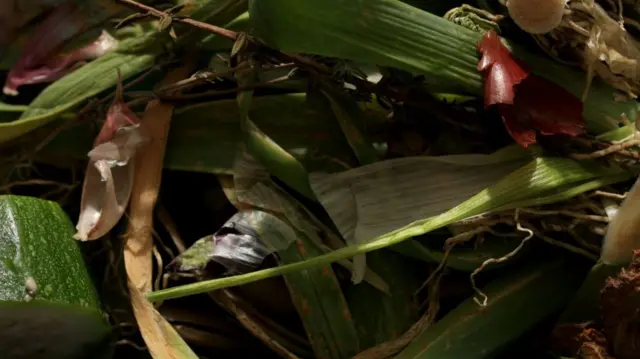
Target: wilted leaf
<point>39,61</point>
<point>372,200</point>
<point>163,342</point>
<point>345,109</point>
<point>238,245</point>
<point>135,54</point>
<point>254,187</point>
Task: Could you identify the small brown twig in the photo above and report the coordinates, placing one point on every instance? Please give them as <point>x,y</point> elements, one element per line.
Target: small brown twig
<point>36,182</point>
<point>562,244</point>
<point>217,93</point>
<point>615,148</point>
<point>170,226</point>
<point>605,194</point>
<point>200,79</point>
<point>229,301</point>
<point>145,9</point>
<point>588,217</point>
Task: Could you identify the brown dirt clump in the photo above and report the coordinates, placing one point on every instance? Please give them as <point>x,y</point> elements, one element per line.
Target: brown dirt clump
<point>580,341</point>
<point>620,299</point>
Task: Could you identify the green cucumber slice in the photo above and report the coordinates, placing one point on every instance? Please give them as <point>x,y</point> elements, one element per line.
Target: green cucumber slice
<point>48,305</point>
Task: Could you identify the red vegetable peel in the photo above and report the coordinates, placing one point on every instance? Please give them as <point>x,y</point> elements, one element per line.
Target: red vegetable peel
<point>527,103</point>
<point>503,70</point>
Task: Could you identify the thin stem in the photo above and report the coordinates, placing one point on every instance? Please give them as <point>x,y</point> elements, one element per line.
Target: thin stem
<point>216,93</point>
<point>346,252</point>
<point>161,15</point>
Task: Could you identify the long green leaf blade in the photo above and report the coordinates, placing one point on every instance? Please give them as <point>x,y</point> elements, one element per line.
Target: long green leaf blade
<point>205,137</point>
<point>534,179</point>
<point>516,303</point>
<point>392,33</point>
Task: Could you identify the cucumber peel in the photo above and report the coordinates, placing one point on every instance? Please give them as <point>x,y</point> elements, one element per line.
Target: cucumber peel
<point>48,305</point>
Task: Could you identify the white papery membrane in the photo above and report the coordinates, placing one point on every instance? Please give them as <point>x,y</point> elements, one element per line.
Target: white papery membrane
<point>623,232</point>
<point>108,183</point>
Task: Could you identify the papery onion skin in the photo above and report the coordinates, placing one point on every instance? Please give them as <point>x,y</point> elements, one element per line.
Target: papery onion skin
<point>623,233</point>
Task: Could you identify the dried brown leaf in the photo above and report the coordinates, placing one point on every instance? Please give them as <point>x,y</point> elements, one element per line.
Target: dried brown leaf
<point>161,339</point>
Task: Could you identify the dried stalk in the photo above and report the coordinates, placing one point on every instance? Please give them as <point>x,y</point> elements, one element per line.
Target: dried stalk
<point>162,15</point>
<point>138,245</point>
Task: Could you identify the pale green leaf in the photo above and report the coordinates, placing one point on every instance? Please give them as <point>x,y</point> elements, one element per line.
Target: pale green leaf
<point>538,178</point>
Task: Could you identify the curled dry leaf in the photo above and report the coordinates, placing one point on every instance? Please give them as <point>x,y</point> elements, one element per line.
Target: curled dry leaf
<point>527,103</point>
<point>41,62</point>
<point>109,177</point>
<point>241,245</point>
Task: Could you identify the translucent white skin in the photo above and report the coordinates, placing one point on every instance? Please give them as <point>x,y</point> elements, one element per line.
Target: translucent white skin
<point>536,16</point>
<point>623,233</point>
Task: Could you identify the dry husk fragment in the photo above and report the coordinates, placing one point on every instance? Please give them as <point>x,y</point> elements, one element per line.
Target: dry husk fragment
<point>596,40</point>
<point>109,177</point>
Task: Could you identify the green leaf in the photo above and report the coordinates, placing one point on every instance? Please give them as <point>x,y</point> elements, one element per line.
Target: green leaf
<point>316,292</point>
<point>466,260</point>
<point>392,33</point>
<point>205,137</point>
<point>517,302</point>
<point>539,178</point>
<point>346,111</point>
<point>320,303</point>
<point>279,162</point>
<point>134,55</point>
<point>77,87</point>
<point>5,107</point>
<point>382,317</point>
<point>585,305</point>
<point>370,201</point>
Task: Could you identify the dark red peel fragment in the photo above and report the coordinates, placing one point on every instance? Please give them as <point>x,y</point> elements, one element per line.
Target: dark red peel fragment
<point>529,105</point>
<point>502,70</point>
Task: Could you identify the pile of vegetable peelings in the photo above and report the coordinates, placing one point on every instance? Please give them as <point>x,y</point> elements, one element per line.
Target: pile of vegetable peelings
<point>319,179</point>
